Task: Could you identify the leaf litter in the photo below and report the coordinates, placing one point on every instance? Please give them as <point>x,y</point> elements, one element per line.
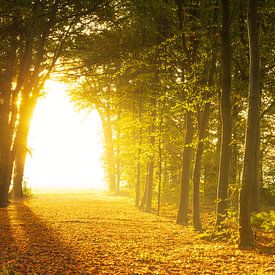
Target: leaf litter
<point>98,233</point>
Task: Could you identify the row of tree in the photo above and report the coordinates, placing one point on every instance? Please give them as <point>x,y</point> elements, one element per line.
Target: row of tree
<point>33,36</point>
<point>170,81</point>
<point>172,94</point>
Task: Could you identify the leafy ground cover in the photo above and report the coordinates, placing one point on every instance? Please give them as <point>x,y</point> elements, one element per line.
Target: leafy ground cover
<point>101,234</point>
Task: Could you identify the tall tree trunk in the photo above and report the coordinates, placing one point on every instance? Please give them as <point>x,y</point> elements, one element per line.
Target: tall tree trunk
<point>145,192</point>
<point>118,168</point>
<point>139,155</point>
<point>138,181</point>
<point>109,147</point>
<point>160,156</point>
<point>255,194</point>
<point>252,136</point>
<point>6,125</point>
<point>234,166</point>
<point>151,167</point>
<point>160,178</point>
<point>197,169</point>
<point>225,155</point>
<point>148,207</point>
<point>27,107</point>
<point>202,125</point>
<point>182,217</point>
<point>191,55</point>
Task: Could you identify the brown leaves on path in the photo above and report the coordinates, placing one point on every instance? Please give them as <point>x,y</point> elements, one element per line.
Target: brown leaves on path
<point>101,234</point>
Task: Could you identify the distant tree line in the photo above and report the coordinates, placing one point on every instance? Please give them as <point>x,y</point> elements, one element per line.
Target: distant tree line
<point>186,108</point>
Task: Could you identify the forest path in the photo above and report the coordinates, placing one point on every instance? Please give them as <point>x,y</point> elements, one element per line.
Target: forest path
<point>97,233</point>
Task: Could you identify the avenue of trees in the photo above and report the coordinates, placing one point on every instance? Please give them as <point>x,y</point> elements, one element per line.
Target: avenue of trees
<point>183,90</point>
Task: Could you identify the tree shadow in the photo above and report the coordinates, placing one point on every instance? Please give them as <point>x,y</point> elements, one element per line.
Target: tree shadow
<point>8,248</point>
<point>40,250</point>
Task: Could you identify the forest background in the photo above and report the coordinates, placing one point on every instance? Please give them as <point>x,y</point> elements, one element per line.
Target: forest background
<point>183,89</point>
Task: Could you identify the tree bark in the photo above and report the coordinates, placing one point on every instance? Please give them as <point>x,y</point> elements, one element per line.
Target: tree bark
<point>151,169</point>
<point>225,155</point>
<point>118,168</point>
<point>197,169</point>
<point>109,147</point>
<point>182,217</point>
<point>148,207</point>
<point>145,192</point>
<point>252,128</point>
<point>27,107</point>
<point>255,194</point>
<point>139,155</point>
<point>6,125</point>
<point>160,156</point>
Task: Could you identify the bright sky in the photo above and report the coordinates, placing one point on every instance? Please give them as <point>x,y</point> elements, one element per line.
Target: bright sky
<point>66,145</point>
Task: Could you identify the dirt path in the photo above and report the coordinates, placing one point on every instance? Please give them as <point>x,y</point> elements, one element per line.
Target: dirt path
<point>96,233</point>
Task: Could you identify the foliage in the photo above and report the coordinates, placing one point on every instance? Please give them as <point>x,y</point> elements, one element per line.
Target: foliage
<point>264,220</point>
<point>27,191</point>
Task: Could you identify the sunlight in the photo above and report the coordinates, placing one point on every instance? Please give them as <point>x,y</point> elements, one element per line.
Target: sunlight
<point>65,145</point>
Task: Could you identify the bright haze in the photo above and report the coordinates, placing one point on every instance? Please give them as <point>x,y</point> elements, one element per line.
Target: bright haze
<point>65,145</point>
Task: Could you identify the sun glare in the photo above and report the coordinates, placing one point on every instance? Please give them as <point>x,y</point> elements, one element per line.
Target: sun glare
<point>65,145</point>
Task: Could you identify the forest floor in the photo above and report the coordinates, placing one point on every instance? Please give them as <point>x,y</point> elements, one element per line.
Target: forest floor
<point>101,234</point>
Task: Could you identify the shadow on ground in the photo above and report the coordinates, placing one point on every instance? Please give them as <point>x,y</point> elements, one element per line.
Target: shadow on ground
<point>29,245</point>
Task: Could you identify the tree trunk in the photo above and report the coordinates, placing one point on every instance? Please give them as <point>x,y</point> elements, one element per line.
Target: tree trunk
<point>151,167</point>
<point>225,155</point>
<point>6,125</point>
<point>118,168</point>
<point>138,181</point>
<point>148,207</point>
<point>145,192</point>
<point>197,169</point>
<point>255,194</point>
<point>139,156</point>
<point>27,107</point>
<point>160,157</point>
<point>202,125</point>
<point>234,166</point>
<point>109,148</point>
<point>251,139</point>
<point>182,217</point>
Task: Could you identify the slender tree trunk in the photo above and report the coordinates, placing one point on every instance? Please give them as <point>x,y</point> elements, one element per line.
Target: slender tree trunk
<point>109,148</point>
<point>148,207</point>
<point>255,194</point>
<point>139,156</point>
<point>191,55</point>
<point>151,167</point>
<point>197,169</point>
<point>27,107</point>
<point>252,128</point>
<point>145,192</point>
<point>202,125</point>
<point>182,217</point>
<point>234,166</point>
<point>6,125</point>
<point>160,178</point>
<point>138,181</point>
<point>160,157</point>
<point>118,168</point>
<point>225,155</point>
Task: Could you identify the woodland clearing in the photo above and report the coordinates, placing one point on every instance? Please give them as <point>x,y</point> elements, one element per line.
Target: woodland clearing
<point>96,233</point>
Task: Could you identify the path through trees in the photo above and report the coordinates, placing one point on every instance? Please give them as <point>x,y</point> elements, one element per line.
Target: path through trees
<point>96,233</point>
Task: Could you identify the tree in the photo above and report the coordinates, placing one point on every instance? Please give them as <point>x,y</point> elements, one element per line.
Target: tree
<point>252,129</point>
<point>222,193</point>
<point>42,31</point>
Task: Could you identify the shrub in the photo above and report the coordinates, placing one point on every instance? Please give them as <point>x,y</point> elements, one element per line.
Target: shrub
<point>264,220</point>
